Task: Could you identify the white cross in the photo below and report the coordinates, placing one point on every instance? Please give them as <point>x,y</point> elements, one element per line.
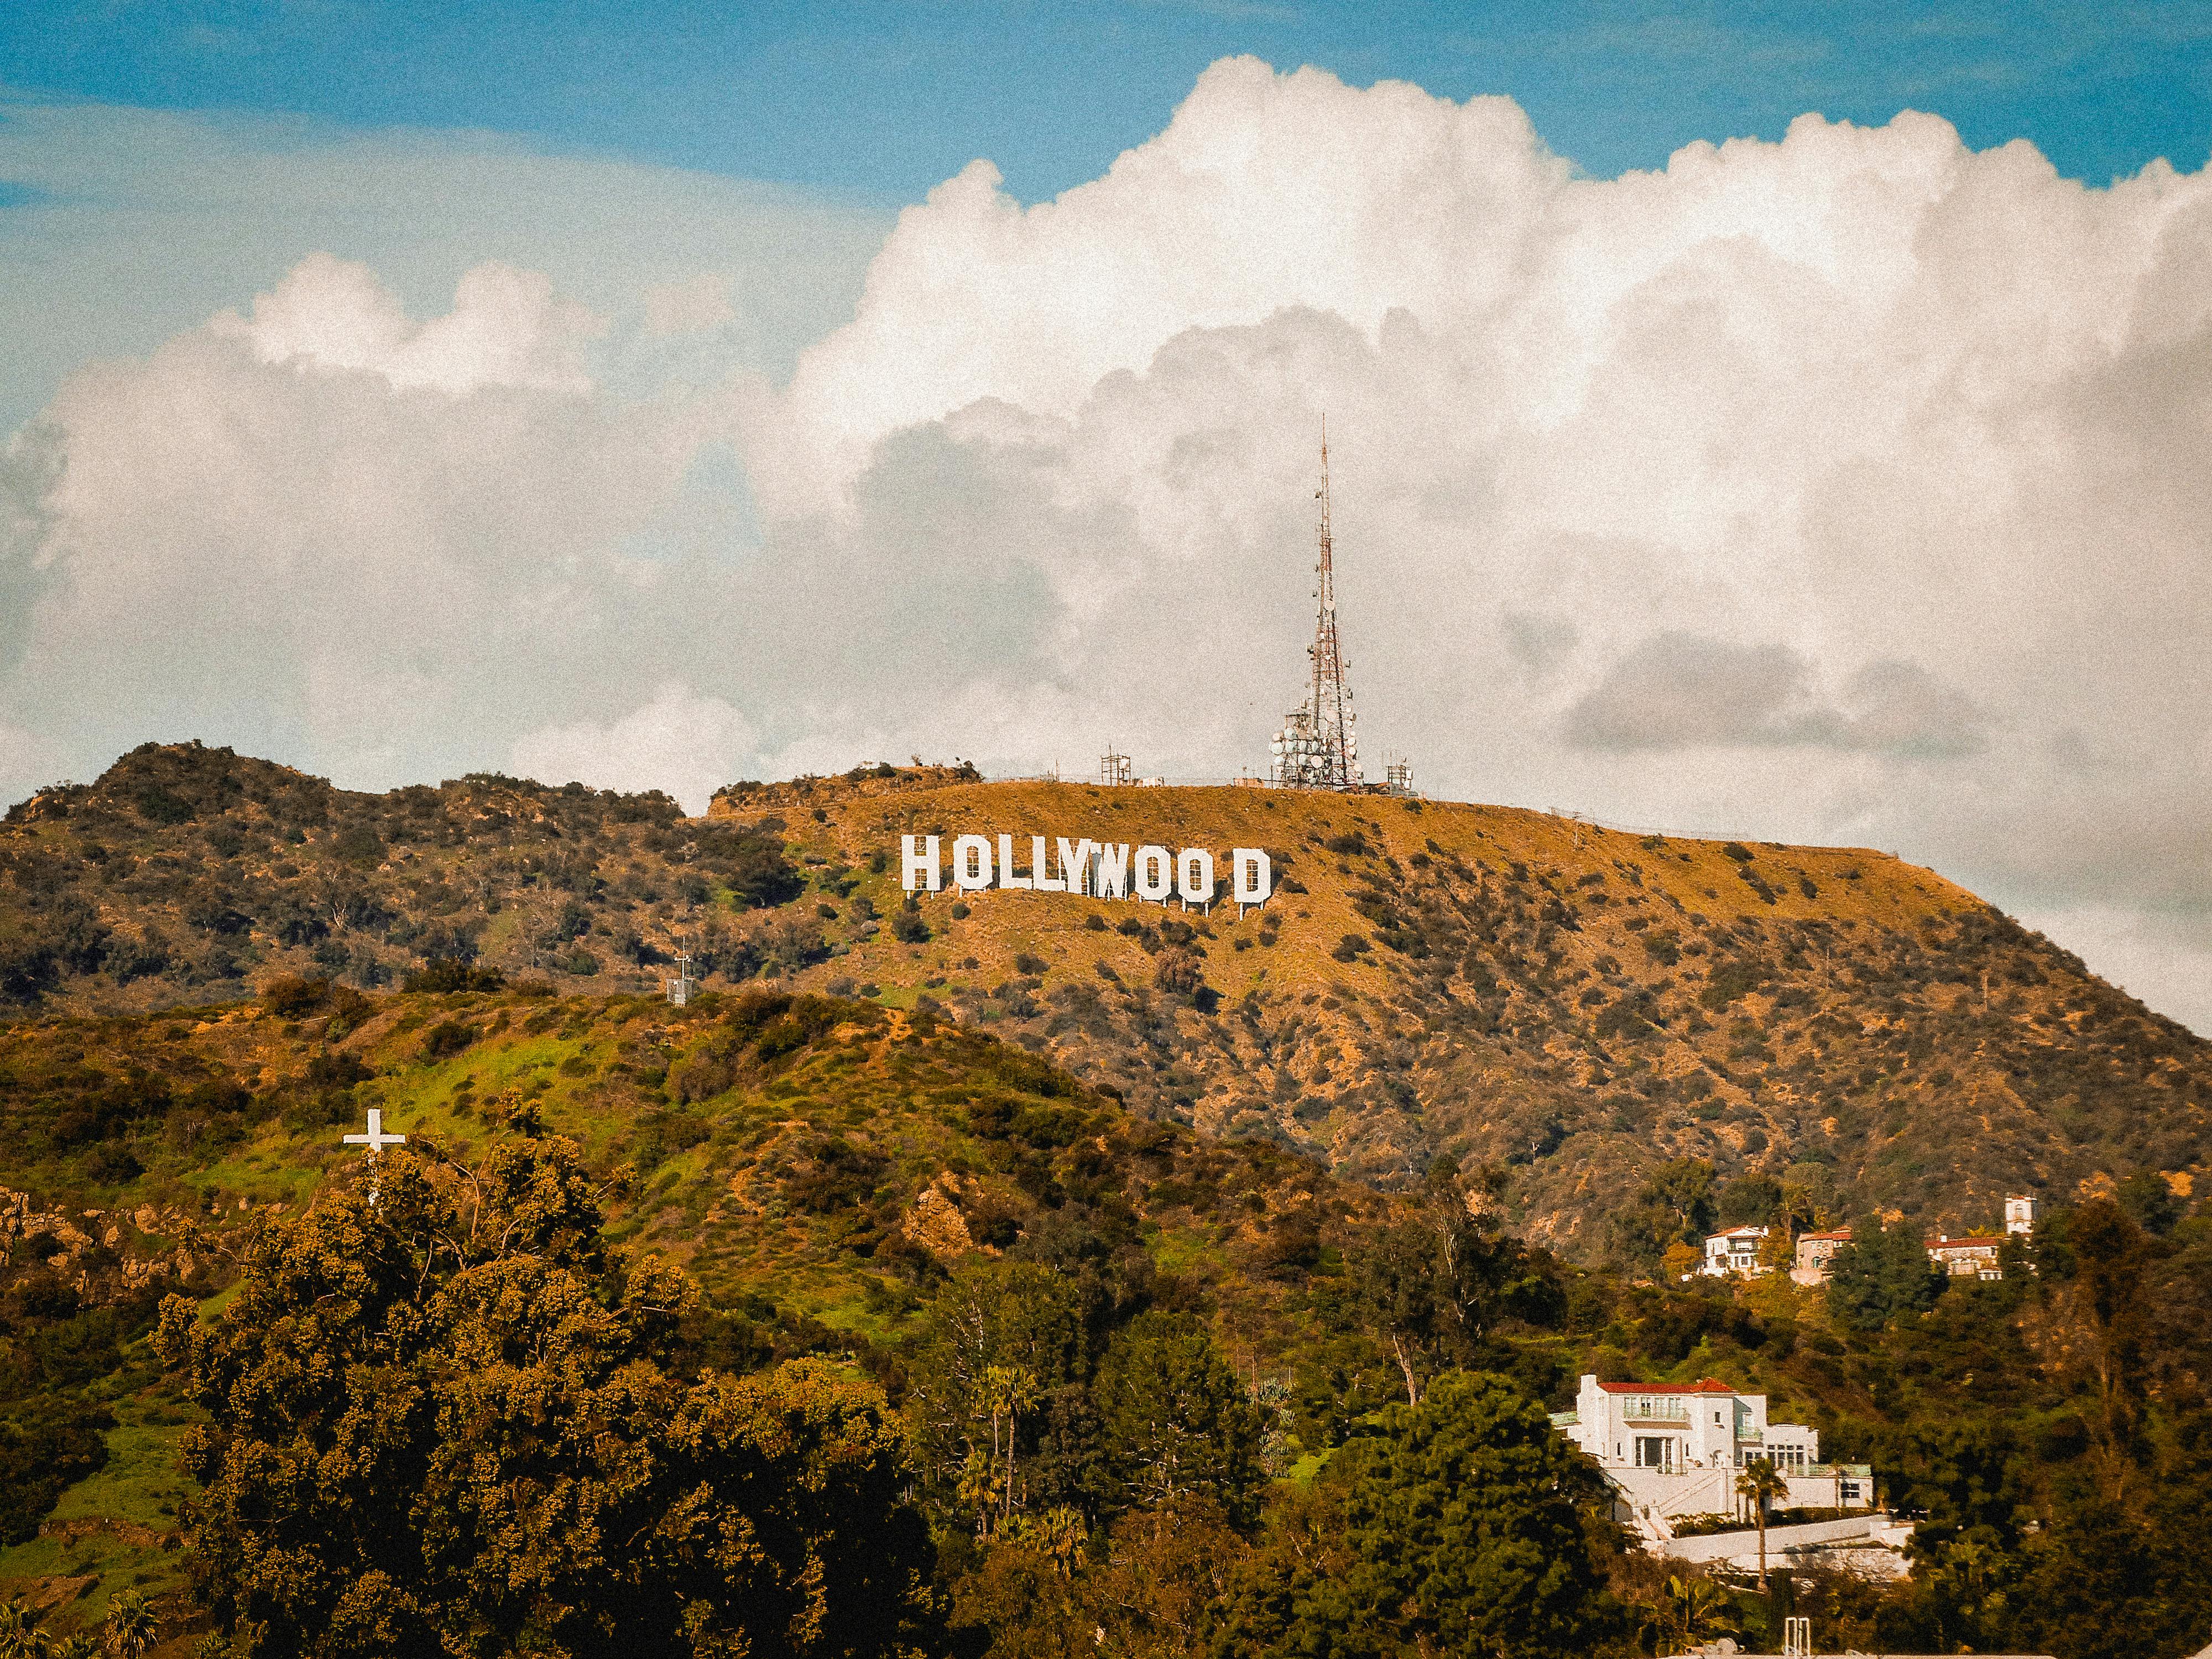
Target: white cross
<point>375,1140</point>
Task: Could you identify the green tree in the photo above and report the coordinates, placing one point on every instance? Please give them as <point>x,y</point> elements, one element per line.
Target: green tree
<point>1434,1286</point>
<point>2109,1259</point>
<point>1882,1274</point>
<point>1752,1200</point>
<point>442,1422</point>
<point>1464,1531</point>
<point>1000,1340</point>
<point>130,1627</point>
<point>1674,1206</point>
<point>1178,1423</point>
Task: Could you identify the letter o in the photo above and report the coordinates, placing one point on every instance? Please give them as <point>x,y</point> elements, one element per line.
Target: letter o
<point>971,862</point>
<point>1155,874</point>
<point>1194,876</point>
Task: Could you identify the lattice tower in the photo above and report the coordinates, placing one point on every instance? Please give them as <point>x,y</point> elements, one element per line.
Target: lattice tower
<point>1318,747</point>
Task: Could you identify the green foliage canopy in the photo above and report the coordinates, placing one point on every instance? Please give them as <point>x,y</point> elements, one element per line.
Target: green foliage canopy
<point>1466,1527</point>
<point>1882,1274</point>
<point>445,1423</point>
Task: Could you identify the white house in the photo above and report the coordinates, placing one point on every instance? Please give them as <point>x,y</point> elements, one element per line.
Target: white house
<point>1736,1251</point>
<point>1963,1258</point>
<point>2020,1213</point>
<point>1676,1449</point>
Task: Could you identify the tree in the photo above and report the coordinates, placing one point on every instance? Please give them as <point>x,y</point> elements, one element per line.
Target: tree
<point>1883,1273</point>
<point>2109,1261</point>
<point>1436,1284</point>
<point>1002,1341</point>
<point>1178,1423</point>
<point>132,1627</point>
<point>444,1421</point>
<point>1675,1206</point>
<point>1697,1608</point>
<point>1395,1279</point>
<point>1752,1200</point>
<point>1463,1532</point>
<point>1760,1484</point>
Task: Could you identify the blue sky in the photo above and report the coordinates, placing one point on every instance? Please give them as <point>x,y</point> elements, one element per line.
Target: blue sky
<point>883,101</point>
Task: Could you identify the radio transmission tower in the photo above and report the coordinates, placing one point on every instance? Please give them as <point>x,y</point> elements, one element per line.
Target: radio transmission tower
<point>1318,748</point>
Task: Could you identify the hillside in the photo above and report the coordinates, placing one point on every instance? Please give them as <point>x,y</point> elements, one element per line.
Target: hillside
<point>827,1168</point>
<point>818,1165</point>
<point>1566,1005</point>
<point>1562,1006</point>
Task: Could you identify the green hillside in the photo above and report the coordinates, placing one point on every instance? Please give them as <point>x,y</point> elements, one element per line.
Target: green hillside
<point>1567,1007</point>
<point>836,1175</point>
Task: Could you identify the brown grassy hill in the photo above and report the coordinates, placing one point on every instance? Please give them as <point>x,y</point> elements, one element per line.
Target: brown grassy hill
<point>1564,1006</point>
<point>1567,1003</point>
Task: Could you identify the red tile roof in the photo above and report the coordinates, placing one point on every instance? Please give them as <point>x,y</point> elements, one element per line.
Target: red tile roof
<point>1704,1385</point>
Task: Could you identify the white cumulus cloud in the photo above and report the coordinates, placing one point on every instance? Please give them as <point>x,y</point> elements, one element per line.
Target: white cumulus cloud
<point>1846,487</point>
<point>506,328</point>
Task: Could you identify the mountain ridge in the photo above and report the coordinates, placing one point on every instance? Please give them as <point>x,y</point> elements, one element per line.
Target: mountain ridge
<point>1567,1007</point>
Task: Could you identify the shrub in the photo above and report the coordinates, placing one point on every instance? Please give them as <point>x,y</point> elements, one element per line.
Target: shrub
<point>446,973</point>
<point>287,997</point>
<point>908,928</point>
<point>1026,964</point>
<point>446,1037</point>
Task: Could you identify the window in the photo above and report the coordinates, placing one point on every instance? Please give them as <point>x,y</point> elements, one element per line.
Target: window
<point>1654,1452</point>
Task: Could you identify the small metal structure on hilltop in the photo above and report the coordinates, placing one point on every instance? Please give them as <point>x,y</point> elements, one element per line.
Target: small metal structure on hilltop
<point>1318,748</point>
<point>680,987</point>
<point>1113,768</point>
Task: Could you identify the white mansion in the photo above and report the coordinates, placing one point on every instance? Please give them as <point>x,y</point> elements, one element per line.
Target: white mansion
<point>1676,1449</point>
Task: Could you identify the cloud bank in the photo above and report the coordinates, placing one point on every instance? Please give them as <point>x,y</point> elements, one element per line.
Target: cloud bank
<point>1847,488</point>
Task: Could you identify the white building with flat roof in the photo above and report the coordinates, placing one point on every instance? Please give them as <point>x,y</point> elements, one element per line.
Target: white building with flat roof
<point>1677,1448</point>
<point>1967,1258</point>
<point>1736,1251</point>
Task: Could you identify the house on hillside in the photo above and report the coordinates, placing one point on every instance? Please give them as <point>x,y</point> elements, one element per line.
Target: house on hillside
<point>1964,1258</point>
<point>1815,1252</point>
<point>1676,1449</point>
<point>2021,1212</point>
<point>1735,1252</point>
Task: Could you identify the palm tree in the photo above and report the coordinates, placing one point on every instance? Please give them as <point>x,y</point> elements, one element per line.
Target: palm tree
<point>18,1637</point>
<point>132,1627</point>
<point>1760,1482</point>
<point>1694,1604</point>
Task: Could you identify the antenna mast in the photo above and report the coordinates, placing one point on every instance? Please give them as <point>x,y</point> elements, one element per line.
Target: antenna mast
<point>1317,749</point>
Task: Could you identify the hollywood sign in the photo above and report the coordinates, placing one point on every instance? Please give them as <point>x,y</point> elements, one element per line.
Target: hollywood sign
<point>1101,869</point>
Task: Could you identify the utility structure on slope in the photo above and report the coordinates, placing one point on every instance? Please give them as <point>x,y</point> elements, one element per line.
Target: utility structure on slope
<point>1317,747</point>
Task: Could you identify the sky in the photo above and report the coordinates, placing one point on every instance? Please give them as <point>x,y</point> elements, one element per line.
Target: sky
<point>1781,422</point>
